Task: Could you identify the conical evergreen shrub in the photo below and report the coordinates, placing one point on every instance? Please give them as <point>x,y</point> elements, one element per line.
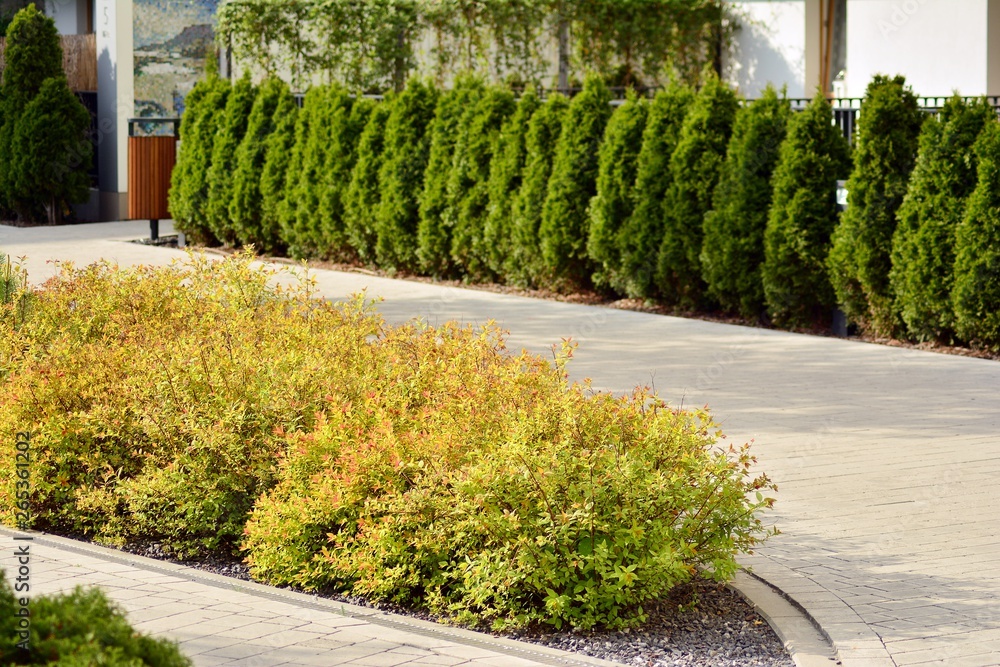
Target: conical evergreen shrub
<point>612,206</point>
<point>642,233</point>
<point>976,293</point>
<point>802,217</point>
<point>884,156</point>
<point>245,209</point>
<point>345,128</point>
<point>289,206</point>
<point>468,185</point>
<point>696,166</point>
<point>274,175</point>
<point>33,54</point>
<point>506,177</point>
<point>923,246</point>
<point>434,231</point>
<point>564,228</point>
<point>732,251</point>
<point>231,129</point>
<point>524,265</point>
<point>188,197</point>
<point>407,146</point>
<point>363,193</point>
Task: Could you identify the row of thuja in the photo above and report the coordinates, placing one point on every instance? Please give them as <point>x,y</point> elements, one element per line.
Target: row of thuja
<point>696,200</point>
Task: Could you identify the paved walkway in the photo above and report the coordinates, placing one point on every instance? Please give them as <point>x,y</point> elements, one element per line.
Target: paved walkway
<point>886,458</point>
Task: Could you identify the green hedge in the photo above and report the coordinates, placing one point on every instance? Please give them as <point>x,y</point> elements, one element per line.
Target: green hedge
<point>732,251</point>
<point>275,176</point>
<point>228,137</point>
<point>923,247</point>
<point>363,192</point>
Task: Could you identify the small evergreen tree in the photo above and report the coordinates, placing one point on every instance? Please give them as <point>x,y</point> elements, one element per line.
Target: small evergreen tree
<point>407,145</point>
<point>523,265</point>
<point>563,231</point>
<point>886,151</point>
<point>189,184</point>
<point>274,174</point>
<point>363,193</point>
<point>433,232</point>
<point>976,293</point>
<point>345,129</point>
<point>231,130</point>
<point>802,217</point>
<point>245,209</point>
<point>506,177</point>
<point>641,234</point>
<point>288,210</point>
<point>611,207</point>
<point>33,55</point>
<point>695,166</point>
<point>733,248</point>
<point>923,247</point>
<point>468,184</point>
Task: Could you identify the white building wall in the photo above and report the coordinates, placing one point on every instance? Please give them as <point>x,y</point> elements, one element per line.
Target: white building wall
<point>770,47</point>
<point>70,16</point>
<point>940,46</point>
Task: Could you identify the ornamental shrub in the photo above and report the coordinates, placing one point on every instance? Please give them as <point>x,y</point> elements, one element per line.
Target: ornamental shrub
<point>407,145</point>
<point>79,628</point>
<point>506,177</point>
<point>468,184</point>
<point>563,231</point>
<point>344,129</point>
<point>434,229</point>
<point>311,234</point>
<point>695,166</point>
<point>52,153</point>
<point>289,207</point>
<point>499,495</point>
<point>884,156</point>
<point>33,55</point>
<point>157,396</point>
<point>189,181</point>
<point>232,127</point>
<point>363,193</point>
<point>733,248</point>
<point>274,175</point>
<point>611,207</point>
<point>923,246</point>
<point>246,207</point>
<point>803,214</point>
<point>641,234</point>
<point>523,266</point>
<point>976,293</point>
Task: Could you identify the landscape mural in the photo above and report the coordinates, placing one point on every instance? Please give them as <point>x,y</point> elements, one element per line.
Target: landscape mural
<point>172,38</point>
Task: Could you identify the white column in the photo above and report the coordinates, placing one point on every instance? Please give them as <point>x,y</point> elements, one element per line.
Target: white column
<point>115,102</point>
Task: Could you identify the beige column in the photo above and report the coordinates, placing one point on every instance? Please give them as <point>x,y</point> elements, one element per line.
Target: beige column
<point>115,103</point>
<point>993,47</point>
<point>814,55</point>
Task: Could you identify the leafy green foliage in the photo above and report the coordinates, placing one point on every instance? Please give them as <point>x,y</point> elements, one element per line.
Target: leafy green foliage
<point>363,193</point>
<point>232,127</point>
<point>52,153</point>
<point>505,179</point>
<point>732,251</point>
<point>79,628</point>
<point>976,292</point>
<point>189,181</point>
<point>274,174</point>
<point>32,56</point>
<point>884,156</point>
<point>468,183</point>
<point>695,166</point>
<point>563,231</point>
<point>611,207</point>
<point>345,128</point>
<point>803,215</point>
<point>295,179</point>
<point>407,145</point>
<point>433,231</point>
<point>246,210</point>
<point>523,265</point>
<point>641,234</point>
<point>923,246</point>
